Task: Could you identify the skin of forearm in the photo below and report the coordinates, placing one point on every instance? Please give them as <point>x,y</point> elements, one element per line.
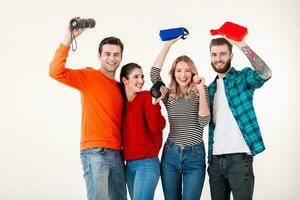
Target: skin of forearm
<point>66,41</point>
<point>158,63</point>
<point>203,104</point>
<point>257,63</point>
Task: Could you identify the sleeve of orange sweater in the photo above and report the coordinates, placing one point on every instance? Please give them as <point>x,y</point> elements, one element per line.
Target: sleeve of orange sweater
<point>156,122</point>
<point>58,71</point>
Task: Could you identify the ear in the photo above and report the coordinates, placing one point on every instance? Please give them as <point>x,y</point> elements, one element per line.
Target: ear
<point>124,81</point>
<point>231,56</point>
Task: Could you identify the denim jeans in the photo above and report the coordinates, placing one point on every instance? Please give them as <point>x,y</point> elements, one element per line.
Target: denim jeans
<point>231,173</point>
<point>183,171</point>
<point>104,174</point>
<point>142,177</point>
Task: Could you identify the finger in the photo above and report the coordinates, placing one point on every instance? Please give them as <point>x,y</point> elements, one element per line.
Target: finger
<point>81,30</point>
<point>202,79</point>
<point>178,38</point>
<point>162,88</point>
<point>154,101</point>
<point>197,80</point>
<point>165,90</point>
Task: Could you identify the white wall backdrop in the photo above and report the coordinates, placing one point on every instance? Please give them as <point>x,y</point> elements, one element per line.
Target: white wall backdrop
<point>40,118</point>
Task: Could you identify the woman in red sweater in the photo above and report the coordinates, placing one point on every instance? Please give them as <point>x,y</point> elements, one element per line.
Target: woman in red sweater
<point>142,134</point>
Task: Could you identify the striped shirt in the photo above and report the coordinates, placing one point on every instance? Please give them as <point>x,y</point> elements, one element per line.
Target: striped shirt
<point>186,125</point>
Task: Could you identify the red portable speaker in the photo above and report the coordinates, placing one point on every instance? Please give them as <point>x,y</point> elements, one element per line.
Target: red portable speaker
<point>231,30</point>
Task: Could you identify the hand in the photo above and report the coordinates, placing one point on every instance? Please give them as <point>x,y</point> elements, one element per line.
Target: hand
<point>169,43</point>
<point>239,44</point>
<point>67,38</point>
<point>199,81</point>
<point>163,91</point>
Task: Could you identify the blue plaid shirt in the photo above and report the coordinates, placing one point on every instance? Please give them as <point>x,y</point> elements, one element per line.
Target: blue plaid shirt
<point>239,89</point>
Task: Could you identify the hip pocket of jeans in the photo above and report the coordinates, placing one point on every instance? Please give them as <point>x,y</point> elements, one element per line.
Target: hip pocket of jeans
<point>167,146</point>
<point>99,151</point>
<point>199,151</point>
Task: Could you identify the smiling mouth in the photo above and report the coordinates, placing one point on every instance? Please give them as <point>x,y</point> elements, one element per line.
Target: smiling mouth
<point>183,80</point>
<point>219,64</point>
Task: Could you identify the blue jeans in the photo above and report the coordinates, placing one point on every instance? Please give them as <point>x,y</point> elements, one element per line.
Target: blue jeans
<point>103,171</point>
<point>142,177</point>
<point>231,172</point>
<point>183,171</point>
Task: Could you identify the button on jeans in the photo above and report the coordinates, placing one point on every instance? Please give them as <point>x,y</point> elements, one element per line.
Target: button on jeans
<point>142,177</point>
<point>183,171</point>
<point>104,174</point>
<point>231,173</point>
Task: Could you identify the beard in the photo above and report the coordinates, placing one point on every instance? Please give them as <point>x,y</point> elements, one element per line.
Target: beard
<point>222,70</point>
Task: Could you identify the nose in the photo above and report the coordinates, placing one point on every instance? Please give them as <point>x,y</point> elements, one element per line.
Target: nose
<point>182,73</point>
<point>111,57</point>
<point>218,58</point>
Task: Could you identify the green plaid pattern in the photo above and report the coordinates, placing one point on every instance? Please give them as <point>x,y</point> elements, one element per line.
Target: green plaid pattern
<point>239,89</point>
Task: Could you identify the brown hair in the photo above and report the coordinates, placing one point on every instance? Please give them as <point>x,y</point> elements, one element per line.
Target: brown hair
<point>219,42</point>
<point>112,41</point>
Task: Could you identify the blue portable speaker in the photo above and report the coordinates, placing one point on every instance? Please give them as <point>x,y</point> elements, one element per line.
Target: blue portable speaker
<point>169,34</point>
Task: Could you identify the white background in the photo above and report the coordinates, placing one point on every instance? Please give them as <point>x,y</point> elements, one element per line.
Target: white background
<point>40,118</point>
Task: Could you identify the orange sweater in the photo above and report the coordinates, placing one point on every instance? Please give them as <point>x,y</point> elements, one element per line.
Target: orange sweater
<point>101,101</point>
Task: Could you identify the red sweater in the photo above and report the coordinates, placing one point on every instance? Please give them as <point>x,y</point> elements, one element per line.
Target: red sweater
<point>142,128</point>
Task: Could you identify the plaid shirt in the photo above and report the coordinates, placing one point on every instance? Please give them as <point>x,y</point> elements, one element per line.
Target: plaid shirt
<point>239,89</point>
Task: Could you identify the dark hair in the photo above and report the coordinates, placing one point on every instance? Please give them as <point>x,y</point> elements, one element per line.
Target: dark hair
<point>126,70</point>
<point>219,42</point>
<point>112,41</point>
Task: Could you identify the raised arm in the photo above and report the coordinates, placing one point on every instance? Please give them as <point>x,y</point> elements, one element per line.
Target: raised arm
<point>158,63</point>
<point>57,69</point>
<point>257,63</point>
<point>57,65</point>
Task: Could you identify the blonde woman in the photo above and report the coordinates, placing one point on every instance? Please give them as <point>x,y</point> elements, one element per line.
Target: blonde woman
<point>183,161</point>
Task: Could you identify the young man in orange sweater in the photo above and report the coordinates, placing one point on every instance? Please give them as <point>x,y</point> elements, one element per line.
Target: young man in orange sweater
<point>102,106</point>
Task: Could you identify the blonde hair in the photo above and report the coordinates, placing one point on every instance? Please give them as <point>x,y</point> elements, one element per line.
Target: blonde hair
<point>175,91</point>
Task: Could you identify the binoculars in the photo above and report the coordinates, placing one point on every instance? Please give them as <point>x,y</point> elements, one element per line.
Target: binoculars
<point>78,23</point>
